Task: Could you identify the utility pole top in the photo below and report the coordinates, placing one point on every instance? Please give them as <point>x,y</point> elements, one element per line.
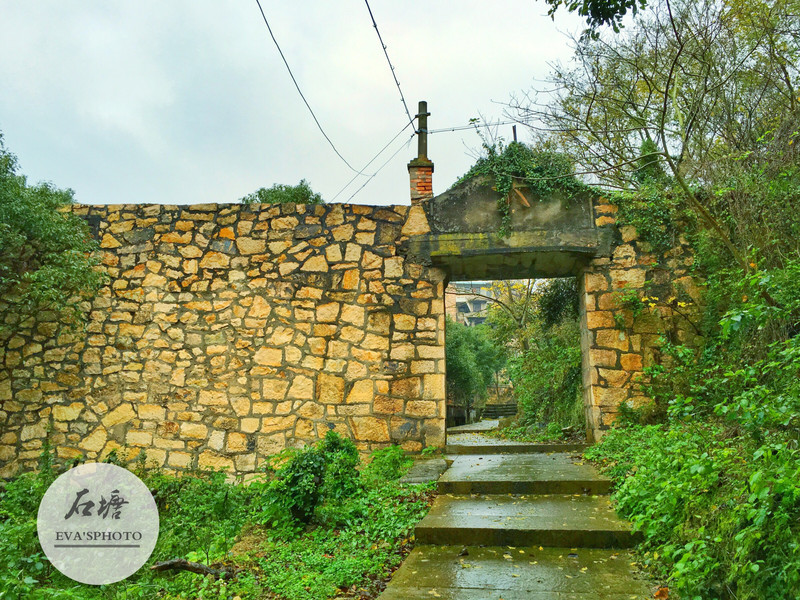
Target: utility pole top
<point>420,169</point>
<point>422,130</point>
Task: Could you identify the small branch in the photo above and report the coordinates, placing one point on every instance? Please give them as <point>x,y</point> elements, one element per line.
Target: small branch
<point>181,564</point>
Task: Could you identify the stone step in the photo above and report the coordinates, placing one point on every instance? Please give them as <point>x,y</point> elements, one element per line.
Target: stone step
<point>525,520</point>
<point>479,427</point>
<point>557,473</point>
<point>512,448</point>
<point>519,573</point>
<point>492,411</point>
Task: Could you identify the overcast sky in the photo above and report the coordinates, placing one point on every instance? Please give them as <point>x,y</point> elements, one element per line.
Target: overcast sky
<point>181,102</point>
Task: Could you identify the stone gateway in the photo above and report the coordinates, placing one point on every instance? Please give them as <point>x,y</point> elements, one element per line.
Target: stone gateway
<point>228,332</point>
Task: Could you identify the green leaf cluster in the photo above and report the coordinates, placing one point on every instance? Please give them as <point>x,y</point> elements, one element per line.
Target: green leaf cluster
<point>720,518</point>
<point>545,368</point>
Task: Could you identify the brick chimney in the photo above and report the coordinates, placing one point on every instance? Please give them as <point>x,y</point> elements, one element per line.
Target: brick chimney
<point>420,170</point>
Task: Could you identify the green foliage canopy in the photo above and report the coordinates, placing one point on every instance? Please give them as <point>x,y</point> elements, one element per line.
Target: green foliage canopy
<point>546,369</point>
<point>284,194</point>
<point>46,260</point>
<point>598,13</point>
<point>472,361</point>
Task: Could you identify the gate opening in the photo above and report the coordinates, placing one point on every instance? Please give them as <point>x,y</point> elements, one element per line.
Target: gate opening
<point>513,354</point>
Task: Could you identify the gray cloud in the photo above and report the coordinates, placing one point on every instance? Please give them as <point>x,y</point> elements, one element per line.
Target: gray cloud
<point>188,101</point>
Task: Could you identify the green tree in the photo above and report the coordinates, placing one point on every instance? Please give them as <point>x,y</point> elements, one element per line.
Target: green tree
<point>598,13</point>
<point>284,194</point>
<point>472,362</point>
<point>538,322</point>
<point>46,252</point>
<point>692,84</point>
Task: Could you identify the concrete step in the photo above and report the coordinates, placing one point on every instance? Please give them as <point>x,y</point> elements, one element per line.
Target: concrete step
<point>522,520</point>
<point>519,573</point>
<point>512,448</point>
<point>557,473</point>
<point>479,427</point>
<point>492,411</point>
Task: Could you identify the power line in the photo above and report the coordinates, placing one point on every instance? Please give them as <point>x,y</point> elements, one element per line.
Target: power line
<point>381,167</point>
<point>397,83</point>
<point>381,151</point>
<point>301,93</point>
<point>471,126</point>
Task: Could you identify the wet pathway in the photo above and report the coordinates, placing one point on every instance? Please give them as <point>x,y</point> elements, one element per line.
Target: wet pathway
<point>516,521</point>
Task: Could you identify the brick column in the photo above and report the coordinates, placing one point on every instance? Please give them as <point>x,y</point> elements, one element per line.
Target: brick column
<point>420,171</point>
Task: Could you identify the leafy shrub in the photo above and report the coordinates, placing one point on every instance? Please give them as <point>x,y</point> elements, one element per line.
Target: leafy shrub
<point>46,259</point>
<point>547,377</point>
<point>302,478</point>
<point>723,515</point>
<point>361,533</point>
<point>472,361</point>
<point>284,194</point>
<point>387,464</point>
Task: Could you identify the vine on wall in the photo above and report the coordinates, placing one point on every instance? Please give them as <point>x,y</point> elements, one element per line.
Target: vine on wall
<point>517,166</point>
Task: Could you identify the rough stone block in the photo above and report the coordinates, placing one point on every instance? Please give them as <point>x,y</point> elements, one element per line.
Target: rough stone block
<point>602,358</point>
<point>631,362</point>
<point>361,392</point>
<point>68,413</point>
<point>387,405</point>
<point>95,441</point>
<point>330,389</point>
<point>370,429</point>
<point>421,408</point>
<point>271,357</point>
<point>209,459</point>
<point>595,282</point>
<point>122,414</point>
<point>606,397</point>
<point>195,431</point>
<point>615,377</point>
<point>327,313</point>
<point>612,338</point>
<point>599,319</point>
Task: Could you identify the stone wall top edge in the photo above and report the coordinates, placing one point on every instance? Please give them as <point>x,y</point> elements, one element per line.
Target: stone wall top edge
<point>213,206</point>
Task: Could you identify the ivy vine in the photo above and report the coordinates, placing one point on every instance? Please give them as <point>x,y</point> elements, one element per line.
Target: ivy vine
<point>653,214</point>
<point>517,165</point>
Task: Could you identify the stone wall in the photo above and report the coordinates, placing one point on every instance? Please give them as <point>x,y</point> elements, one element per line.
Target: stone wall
<point>229,332</point>
<point>620,338</point>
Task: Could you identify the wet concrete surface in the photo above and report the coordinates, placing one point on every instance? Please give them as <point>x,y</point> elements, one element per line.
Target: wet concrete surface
<point>513,523</point>
<point>480,443</point>
<point>556,473</point>
<point>548,520</point>
<point>425,470</point>
<point>480,426</point>
<point>516,573</point>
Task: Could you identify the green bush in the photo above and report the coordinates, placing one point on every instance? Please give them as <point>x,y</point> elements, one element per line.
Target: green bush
<point>388,464</point>
<point>284,194</point>
<point>301,479</point>
<point>46,254</point>
<point>722,515</point>
<point>354,535</point>
<point>547,377</point>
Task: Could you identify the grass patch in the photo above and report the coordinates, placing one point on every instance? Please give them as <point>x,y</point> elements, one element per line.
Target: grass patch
<point>319,525</point>
<point>720,513</point>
